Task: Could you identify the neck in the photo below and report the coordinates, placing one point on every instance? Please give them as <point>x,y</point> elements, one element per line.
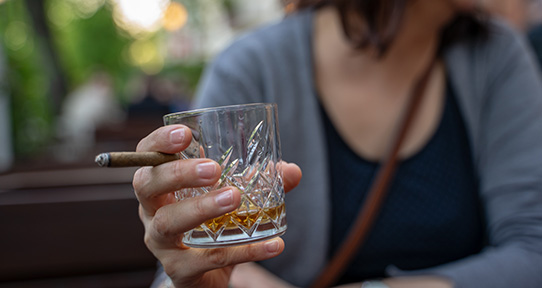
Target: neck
<point>417,37</point>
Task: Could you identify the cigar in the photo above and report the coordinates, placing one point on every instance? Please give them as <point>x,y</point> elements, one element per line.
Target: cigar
<point>134,159</point>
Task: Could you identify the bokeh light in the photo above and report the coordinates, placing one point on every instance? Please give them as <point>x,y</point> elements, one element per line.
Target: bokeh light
<point>87,8</point>
<point>16,35</point>
<point>139,17</point>
<point>145,54</point>
<point>60,13</point>
<point>175,16</point>
<point>17,38</point>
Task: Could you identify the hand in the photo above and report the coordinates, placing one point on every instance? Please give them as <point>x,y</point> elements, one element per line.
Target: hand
<point>166,220</point>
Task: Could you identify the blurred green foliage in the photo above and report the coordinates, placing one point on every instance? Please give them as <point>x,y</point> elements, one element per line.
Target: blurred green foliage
<point>31,110</point>
<point>84,42</point>
<point>87,44</point>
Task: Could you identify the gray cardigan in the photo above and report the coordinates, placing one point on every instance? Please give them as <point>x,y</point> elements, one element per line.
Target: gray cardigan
<point>500,96</point>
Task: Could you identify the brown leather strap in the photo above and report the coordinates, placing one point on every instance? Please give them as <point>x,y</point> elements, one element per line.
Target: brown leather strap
<point>369,211</point>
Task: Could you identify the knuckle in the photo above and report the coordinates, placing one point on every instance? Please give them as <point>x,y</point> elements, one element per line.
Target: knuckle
<point>161,224</point>
<point>147,143</point>
<point>141,213</point>
<point>251,252</point>
<point>139,146</point>
<point>147,239</point>
<point>179,270</point>
<point>178,170</point>
<point>170,267</point>
<point>157,139</point>
<point>218,257</point>
<point>140,179</point>
<point>199,208</point>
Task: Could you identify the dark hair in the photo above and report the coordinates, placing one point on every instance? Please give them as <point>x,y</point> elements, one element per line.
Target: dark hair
<point>382,18</point>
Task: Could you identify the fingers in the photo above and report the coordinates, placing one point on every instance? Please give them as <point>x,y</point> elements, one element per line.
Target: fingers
<point>188,265</point>
<point>199,261</point>
<point>166,139</point>
<point>291,175</point>
<point>222,257</point>
<point>170,221</point>
<point>151,183</point>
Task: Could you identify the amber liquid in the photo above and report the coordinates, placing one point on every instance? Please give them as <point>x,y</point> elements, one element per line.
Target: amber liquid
<point>245,217</point>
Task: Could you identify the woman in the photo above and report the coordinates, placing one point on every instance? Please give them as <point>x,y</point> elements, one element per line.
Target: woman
<point>465,207</point>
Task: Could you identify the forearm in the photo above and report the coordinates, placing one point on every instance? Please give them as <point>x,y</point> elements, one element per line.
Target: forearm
<point>250,274</point>
<point>409,282</point>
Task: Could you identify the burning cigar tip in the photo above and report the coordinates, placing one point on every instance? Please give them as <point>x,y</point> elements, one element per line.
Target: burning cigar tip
<point>102,160</point>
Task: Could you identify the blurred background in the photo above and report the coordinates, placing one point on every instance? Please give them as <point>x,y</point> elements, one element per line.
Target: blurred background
<point>82,77</point>
<point>75,72</point>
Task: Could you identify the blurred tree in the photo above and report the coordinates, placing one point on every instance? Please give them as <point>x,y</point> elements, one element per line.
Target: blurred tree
<point>31,109</point>
<point>55,74</point>
<point>88,41</point>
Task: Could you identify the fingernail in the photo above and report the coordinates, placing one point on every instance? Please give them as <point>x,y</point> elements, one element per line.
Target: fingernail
<point>206,170</point>
<point>272,246</point>
<point>225,198</point>
<point>176,136</point>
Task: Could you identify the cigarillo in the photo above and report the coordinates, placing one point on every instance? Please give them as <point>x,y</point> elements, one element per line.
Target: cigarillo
<point>133,159</point>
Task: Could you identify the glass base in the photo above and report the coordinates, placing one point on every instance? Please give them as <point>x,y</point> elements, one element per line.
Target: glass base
<point>200,239</point>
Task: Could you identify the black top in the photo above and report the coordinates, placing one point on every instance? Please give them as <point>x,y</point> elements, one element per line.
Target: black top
<point>535,39</point>
<point>432,213</point>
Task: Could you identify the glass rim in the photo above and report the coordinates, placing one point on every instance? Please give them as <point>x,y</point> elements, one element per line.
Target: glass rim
<point>195,112</point>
